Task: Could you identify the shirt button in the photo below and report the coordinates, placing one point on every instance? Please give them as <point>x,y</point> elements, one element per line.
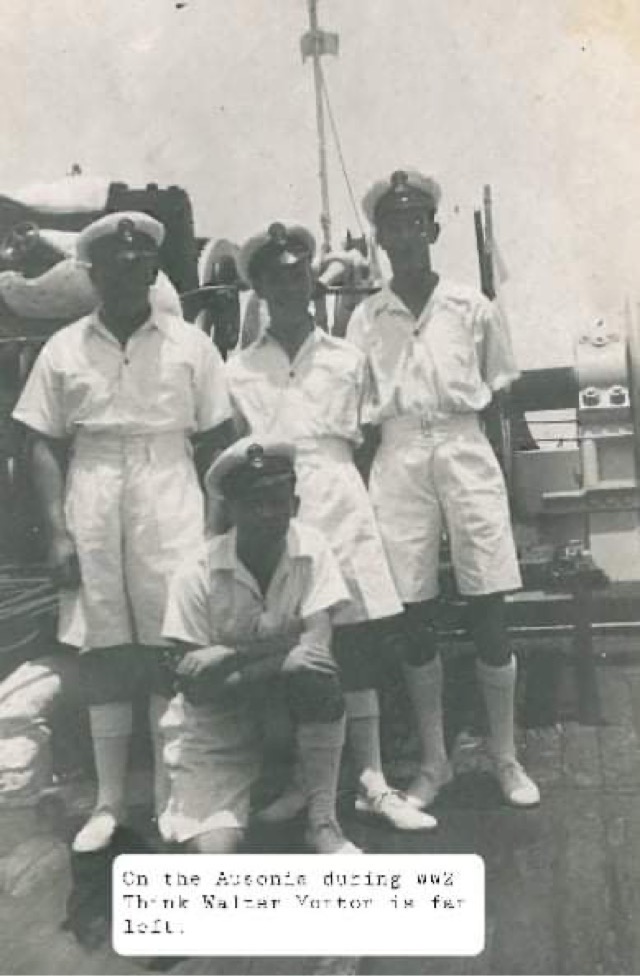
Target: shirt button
<point>291,374</point>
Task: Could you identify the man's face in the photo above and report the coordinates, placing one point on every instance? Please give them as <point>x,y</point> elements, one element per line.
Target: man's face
<point>263,514</point>
<point>286,286</point>
<point>123,281</point>
<point>407,235</point>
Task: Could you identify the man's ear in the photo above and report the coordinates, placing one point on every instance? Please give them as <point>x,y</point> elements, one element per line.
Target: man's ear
<point>295,506</point>
<point>434,232</point>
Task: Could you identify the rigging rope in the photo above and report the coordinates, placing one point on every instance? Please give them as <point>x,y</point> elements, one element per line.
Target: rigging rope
<point>336,138</point>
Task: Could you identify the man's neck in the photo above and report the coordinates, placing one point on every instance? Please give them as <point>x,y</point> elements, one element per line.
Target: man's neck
<point>414,287</point>
<point>123,324</point>
<point>260,561</point>
<point>291,331</point>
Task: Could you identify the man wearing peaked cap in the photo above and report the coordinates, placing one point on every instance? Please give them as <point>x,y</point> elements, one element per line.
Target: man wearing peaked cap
<point>280,245</point>
<point>126,394</point>
<point>438,353</point>
<point>404,190</point>
<point>253,607</point>
<point>249,465</point>
<point>287,245</point>
<point>128,234</point>
<point>302,385</point>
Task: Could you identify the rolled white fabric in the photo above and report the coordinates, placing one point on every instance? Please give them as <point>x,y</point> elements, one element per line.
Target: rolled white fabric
<point>72,194</point>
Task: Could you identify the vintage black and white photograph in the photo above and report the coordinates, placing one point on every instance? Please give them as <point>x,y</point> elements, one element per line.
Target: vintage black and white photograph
<point>319,466</point>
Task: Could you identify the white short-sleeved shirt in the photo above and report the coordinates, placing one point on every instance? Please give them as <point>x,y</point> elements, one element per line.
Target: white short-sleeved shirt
<point>213,599</point>
<point>317,394</point>
<point>169,377</point>
<point>449,360</point>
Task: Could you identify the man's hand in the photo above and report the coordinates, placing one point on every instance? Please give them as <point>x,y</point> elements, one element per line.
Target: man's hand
<point>63,562</point>
<point>201,674</point>
<point>270,640</point>
<point>217,660</point>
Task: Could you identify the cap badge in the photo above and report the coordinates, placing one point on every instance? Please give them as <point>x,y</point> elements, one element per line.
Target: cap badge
<point>399,181</point>
<point>278,235</point>
<point>126,230</point>
<point>255,456</point>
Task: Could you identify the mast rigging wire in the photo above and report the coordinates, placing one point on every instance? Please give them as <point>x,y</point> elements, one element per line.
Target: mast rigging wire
<point>338,144</point>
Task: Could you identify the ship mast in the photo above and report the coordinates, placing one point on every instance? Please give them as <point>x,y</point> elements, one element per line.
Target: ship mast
<point>314,44</point>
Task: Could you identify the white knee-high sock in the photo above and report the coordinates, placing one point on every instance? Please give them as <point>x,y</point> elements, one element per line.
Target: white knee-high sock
<point>363,739</point>
<point>319,754</point>
<point>111,726</point>
<point>161,784</point>
<point>498,688</point>
<point>424,687</point>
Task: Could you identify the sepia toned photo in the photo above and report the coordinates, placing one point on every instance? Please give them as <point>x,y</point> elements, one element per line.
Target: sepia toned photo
<point>319,486</point>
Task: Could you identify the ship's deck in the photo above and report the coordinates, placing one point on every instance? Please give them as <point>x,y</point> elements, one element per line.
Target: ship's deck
<point>563,881</point>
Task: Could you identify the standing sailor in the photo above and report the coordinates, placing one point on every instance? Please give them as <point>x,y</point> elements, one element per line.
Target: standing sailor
<point>117,404</point>
<point>299,384</point>
<point>438,353</point>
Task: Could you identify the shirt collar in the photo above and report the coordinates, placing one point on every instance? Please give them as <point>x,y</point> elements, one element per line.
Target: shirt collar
<point>223,556</point>
<point>316,336</point>
<point>155,321</point>
<point>388,303</point>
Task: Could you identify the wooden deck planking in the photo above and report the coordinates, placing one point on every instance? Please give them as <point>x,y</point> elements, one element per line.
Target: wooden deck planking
<point>622,840</point>
<point>619,739</point>
<point>581,756</point>
<point>563,881</point>
<point>541,752</point>
<point>579,890</point>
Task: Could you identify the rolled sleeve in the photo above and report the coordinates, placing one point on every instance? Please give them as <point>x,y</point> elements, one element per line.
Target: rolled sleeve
<point>212,401</point>
<point>186,616</point>
<point>41,404</point>
<point>498,363</point>
<point>326,589</point>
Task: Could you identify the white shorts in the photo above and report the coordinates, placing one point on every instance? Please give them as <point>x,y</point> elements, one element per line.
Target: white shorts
<point>334,500</point>
<point>428,477</point>
<point>135,511</point>
<point>212,757</point>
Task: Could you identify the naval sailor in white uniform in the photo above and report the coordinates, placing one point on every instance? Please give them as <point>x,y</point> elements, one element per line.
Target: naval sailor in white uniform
<point>299,384</point>
<point>117,403</point>
<point>438,353</point>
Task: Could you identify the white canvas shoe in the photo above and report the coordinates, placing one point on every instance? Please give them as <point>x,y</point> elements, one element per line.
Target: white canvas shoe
<point>97,833</point>
<point>396,810</point>
<point>517,787</point>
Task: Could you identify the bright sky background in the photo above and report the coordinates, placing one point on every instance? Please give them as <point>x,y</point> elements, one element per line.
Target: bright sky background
<point>539,98</point>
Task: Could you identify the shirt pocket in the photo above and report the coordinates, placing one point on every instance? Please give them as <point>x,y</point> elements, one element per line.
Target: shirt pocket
<point>87,393</point>
<point>333,401</point>
<point>174,389</point>
<point>456,360</point>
